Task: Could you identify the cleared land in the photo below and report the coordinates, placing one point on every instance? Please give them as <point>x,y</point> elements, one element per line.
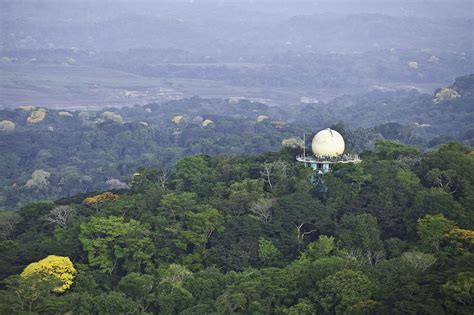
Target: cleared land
<point>83,87</point>
<point>78,87</point>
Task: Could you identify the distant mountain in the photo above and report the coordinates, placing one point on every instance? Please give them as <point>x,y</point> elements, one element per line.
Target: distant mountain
<point>363,32</point>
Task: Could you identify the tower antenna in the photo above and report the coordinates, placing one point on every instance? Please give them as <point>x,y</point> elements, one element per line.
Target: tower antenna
<point>304,144</point>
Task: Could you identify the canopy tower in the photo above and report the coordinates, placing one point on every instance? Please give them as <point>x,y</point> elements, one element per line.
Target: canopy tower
<point>328,149</point>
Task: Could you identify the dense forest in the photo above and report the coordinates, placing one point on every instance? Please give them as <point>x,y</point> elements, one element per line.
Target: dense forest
<point>447,113</point>
<point>49,154</point>
<point>250,235</point>
<point>236,157</point>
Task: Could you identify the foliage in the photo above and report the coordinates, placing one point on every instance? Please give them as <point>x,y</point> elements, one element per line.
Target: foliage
<point>107,196</point>
<point>56,267</point>
<point>361,236</point>
<point>61,215</point>
<point>176,274</point>
<point>446,94</point>
<point>30,294</point>
<point>390,150</point>
<point>7,125</point>
<point>323,247</point>
<point>267,251</point>
<point>39,179</point>
<point>218,238</point>
<point>432,229</point>
<point>463,236</point>
<point>37,116</point>
<point>418,260</point>
<point>304,307</point>
<point>345,289</point>
<point>112,243</point>
<point>460,288</point>
<point>94,151</point>
<point>8,221</point>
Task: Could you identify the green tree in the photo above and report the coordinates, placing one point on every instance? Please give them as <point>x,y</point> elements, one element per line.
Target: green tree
<point>354,174</point>
<point>257,292</point>
<point>138,287</point>
<point>432,229</point>
<point>245,193</point>
<point>418,260</point>
<point>114,303</point>
<point>111,243</point>
<point>344,289</point>
<point>173,206</point>
<point>8,222</point>
<point>193,174</point>
<point>206,285</point>
<point>28,294</point>
<point>303,307</point>
<point>460,288</point>
<point>404,288</point>
<point>391,150</point>
<point>187,226</point>
<point>172,294</point>
<point>361,236</point>
<point>450,168</point>
<point>267,252</point>
<point>199,227</point>
<point>447,180</point>
<point>437,201</point>
<point>323,247</point>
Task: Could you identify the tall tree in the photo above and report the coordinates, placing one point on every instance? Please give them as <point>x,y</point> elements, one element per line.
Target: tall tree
<point>361,236</point>
<point>112,244</point>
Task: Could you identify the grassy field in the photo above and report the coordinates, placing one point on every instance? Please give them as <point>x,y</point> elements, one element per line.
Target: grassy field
<point>81,87</point>
<point>77,87</point>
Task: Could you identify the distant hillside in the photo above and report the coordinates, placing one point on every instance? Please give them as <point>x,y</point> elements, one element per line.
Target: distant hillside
<point>48,153</point>
<point>448,112</point>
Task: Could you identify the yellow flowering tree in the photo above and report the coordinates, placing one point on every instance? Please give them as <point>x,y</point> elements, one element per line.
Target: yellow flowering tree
<point>65,114</point>
<point>207,122</point>
<point>107,196</point>
<point>111,116</point>
<point>95,200</point>
<point>7,125</point>
<point>37,116</point>
<point>446,94</point>
<point>178,119</point>
<point>52,267</point>
<point>461,239</point>
<point>467,236</point>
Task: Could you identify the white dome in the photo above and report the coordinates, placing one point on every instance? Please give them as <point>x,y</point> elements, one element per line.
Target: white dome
<point>328,142</point>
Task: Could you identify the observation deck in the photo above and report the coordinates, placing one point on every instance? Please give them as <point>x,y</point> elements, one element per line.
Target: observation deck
<point>323,163</point>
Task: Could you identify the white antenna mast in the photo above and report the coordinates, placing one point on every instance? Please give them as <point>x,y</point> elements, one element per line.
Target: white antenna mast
<point>304,144</point>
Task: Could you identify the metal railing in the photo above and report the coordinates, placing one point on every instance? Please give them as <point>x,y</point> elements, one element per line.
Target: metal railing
<point>345,158</point>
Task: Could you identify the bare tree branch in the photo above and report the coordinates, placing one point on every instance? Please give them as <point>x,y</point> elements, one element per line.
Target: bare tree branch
<point>61,216</point>
<point>301,233</point>
<point>163,178</point>
<point>261,210</point>
<point>267,174</point>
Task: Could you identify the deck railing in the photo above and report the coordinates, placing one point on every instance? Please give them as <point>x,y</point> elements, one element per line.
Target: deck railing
<point>345,158</point>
